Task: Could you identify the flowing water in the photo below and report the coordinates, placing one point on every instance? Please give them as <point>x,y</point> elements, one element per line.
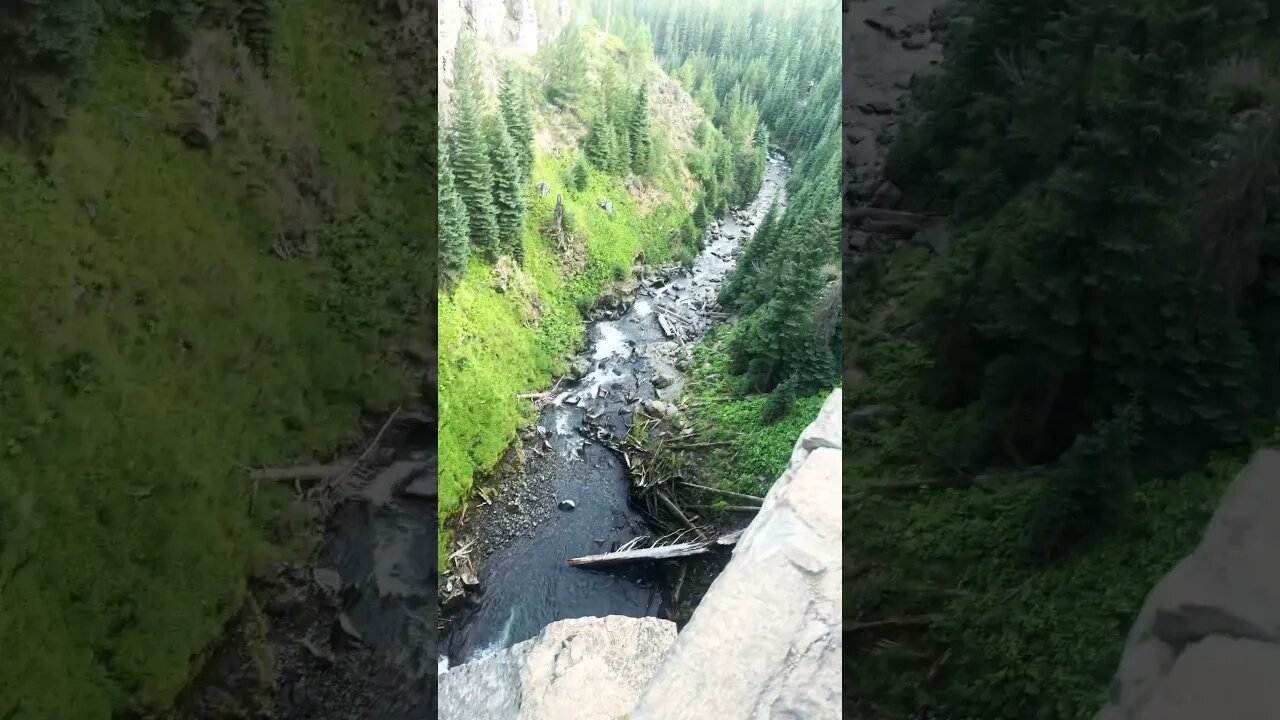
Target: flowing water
<point>526,583</point>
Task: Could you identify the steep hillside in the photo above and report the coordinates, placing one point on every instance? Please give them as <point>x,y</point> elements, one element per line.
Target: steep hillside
<point>507,328</point>
<point>216,248</point>
<point>1062,341</point>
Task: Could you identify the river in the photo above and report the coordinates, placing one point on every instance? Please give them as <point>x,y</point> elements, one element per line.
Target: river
<point>526,583</point>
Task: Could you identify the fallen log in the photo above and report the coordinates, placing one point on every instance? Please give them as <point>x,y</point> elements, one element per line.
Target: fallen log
<point>662,552</point>
<point>300,472</point>
<point>730,493</point>
<point>913,621</point>
<point>675,509</point>
<point>665,324</point>
<point>698,445</point>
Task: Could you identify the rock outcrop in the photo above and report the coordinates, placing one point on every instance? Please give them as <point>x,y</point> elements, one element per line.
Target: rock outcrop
<point>765,642</point>
<point>524,25</point>
<point>1206,644</point>
<point>583,669</point>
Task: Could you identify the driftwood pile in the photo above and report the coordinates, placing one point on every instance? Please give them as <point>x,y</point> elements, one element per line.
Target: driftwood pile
<point>653,454</point>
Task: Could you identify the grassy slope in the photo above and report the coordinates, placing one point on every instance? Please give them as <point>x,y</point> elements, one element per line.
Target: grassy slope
<point>720,411</point>
<point>125,534</point>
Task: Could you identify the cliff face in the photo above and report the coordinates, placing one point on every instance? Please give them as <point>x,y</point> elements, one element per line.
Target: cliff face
<point>519,25</point>
<point>1207,642</point>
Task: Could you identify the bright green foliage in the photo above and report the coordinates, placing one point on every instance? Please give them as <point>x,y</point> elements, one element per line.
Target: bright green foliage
<point>641,134</point>
<point>757,453</point>
<point>750,67</point>
<point>508,188</point>
<point>469,148</point>
<point>581,175</point>
<point>513,104</point>
<point>455,245</point>
<point>567,78</point>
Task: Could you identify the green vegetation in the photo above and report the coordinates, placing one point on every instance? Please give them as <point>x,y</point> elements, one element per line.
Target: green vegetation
<point>158,341</point>
<point>785,285</point>
<point>506,327</point>
<point>721,407</point>
<point>1058,375</point>
<point>469,148</point>
<point>497,342</point>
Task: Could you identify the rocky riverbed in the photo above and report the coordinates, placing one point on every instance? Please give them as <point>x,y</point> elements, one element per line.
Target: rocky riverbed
<point>563,490</point>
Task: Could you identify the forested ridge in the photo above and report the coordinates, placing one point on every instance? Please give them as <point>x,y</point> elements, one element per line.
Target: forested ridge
<point>217,249</point>
<point>597,87</point>
<point>1055,395</point>
<point>771,72</point>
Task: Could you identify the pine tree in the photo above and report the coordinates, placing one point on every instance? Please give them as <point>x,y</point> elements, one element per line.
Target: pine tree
<point>469,148</point>
<point>508,188</point>
<point>700,215</point>
<point>780,402</point>
<point>454,245</point>
<point>513,103</point>
<point>753,259</point>
<point>566,83</point>
<point>581,176</point>
<point>641,134</point>
<point>601,144</point>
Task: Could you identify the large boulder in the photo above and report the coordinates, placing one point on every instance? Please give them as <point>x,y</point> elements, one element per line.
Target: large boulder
<point>765,642</point>
<point>584,669</point>
<point>1206,644</point>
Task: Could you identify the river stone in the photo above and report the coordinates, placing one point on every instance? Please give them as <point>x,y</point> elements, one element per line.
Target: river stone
<point>579,367</point>
<point>585,669</point>
<point>567,504</point>
<point>662,380</point>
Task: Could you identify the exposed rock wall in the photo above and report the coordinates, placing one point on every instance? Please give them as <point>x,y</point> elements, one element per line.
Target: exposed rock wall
<point>583,669</point>
<point>764,643</point>
<point>1206,644</point>
<point>521,25</point>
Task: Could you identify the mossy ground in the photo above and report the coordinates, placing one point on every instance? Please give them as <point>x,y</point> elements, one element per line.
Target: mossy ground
<point>154,347</point>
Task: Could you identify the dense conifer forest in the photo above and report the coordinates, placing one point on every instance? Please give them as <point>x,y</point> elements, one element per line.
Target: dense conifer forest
<point>1052,397</point>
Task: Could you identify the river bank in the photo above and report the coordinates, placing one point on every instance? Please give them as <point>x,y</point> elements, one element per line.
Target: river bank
<point>349,632</point>
<point>516,546</point>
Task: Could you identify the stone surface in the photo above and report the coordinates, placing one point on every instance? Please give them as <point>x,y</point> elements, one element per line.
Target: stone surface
<point>583,669</point>
<point>1195,649</point>
<point>765,642</point>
